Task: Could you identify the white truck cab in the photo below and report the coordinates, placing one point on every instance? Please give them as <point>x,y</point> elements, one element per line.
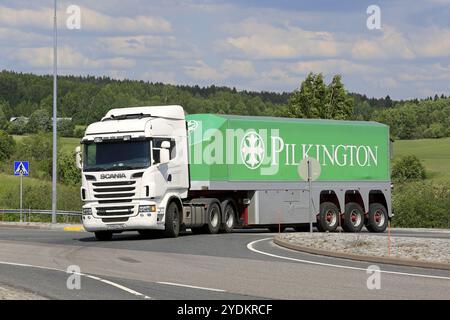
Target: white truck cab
<point>133,162</point>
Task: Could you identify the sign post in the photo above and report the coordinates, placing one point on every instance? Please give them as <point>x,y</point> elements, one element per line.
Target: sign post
<point>309,170</point>
<point>21,169</point>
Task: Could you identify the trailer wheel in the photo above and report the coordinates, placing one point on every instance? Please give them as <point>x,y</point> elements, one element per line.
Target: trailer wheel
<point>172,221</point>
<point>328,219</point>
<point>103,235</point>
<point>213,215</point>
<point>229,213</point>
<point>353,217</point>
<point>378,218</point>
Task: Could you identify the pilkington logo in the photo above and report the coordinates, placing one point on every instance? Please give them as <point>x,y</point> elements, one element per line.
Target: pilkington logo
<point>113,176</point>
<point>252,150</point>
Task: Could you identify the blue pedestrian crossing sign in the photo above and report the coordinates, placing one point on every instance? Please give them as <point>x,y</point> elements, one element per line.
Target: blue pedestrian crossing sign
<point>21,168</point>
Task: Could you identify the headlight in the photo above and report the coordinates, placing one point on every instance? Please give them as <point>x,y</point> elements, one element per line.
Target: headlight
<point>87,211</point>
<point>146,209</point>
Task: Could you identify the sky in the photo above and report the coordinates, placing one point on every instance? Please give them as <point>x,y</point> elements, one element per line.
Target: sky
<point>253,45</point>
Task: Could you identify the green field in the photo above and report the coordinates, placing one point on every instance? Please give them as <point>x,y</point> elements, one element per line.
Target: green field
<point>434,154</point>
<point>66,144</point>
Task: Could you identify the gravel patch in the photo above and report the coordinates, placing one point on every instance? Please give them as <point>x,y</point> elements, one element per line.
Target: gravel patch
<point>9,293</point>
<point>412,248</point>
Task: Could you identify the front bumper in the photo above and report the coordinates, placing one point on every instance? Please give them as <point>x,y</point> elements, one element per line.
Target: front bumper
<point>136,221</point>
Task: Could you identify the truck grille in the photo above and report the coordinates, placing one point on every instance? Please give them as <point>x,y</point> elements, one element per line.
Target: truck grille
<point>117,191</point>
<point>115,196</point>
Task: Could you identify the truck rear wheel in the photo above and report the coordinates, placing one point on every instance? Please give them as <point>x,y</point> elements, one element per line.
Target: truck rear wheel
<point>172,221</point>
<point>378,218</point>
<point>353,217</point>
<point>103,235</point>
<point>213,219</point>
<point>229,213</point>
<point>328,219</point>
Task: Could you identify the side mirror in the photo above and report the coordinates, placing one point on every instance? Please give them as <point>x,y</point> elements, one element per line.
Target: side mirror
<point>164,152</point>
<point>78,157</point>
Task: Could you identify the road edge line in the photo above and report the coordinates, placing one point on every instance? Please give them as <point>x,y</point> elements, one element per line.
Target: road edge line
<point>357,257</point>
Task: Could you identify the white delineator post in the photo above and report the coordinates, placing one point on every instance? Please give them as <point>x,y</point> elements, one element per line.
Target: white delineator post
<point>309,202</point>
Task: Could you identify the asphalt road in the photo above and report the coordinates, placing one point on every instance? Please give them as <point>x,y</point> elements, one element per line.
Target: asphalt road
<point>240,265</point>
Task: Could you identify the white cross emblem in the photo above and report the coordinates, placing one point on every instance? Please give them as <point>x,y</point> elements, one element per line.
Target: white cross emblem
<point>252,150</point>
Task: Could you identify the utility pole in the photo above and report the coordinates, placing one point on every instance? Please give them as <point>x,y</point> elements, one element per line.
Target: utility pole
<point>55,95</point>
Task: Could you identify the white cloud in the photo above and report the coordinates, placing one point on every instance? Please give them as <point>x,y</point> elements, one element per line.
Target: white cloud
<point>96,21</point>
<point>202,71</point>
<point>91,20</point>
<point>390,44</point>
<point>432,42</point>
<point>264,41</point>
<point>230,68</point>
<point>332,66</point>
<point>10,37</point>
<point>238,68</point>
<point>145,47</point>
<point>68,58</point>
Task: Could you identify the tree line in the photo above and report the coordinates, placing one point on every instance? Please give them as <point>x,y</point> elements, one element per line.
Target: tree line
<point>87,99</point>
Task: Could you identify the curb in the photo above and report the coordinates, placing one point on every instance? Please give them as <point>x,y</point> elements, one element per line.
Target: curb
<point>42,226</point>
<point>74,228</point>
<point>350,256</point>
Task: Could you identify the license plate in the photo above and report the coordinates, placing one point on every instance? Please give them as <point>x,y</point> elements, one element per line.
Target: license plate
<point>115,226</point>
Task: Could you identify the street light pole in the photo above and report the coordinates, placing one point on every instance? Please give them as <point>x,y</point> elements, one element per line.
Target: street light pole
<point>55,94</point>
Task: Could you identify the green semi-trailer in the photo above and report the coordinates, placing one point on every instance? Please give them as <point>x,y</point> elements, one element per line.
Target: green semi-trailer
<point>156,168</point>
<point>259,158</point>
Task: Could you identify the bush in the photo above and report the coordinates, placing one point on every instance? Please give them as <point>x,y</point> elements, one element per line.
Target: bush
<point>40,120</point>
<point>408,168</point>
<point>7,146</point>
<point>18,126</point>
<point>66,128</point>
<point>68,173</point>
<point>436,130</point>
<point>79,132</point>
<point>38,195</point>
<point>421,205</point>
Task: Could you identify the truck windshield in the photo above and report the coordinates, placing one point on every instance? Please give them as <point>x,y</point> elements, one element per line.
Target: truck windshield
<point>117,155</point>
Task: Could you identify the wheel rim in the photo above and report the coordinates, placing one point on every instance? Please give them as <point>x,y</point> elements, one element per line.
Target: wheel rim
<point>214,217</point>
<point>379,218</point>
<point>229,218</point>
<point>175,219</point>
<point>355,218</point>
<point>330,218</point>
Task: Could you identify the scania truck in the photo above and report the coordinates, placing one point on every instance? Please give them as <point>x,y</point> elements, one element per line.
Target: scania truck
<point>156,168</point>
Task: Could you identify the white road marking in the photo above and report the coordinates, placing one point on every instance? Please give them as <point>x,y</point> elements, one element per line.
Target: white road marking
<point>250,247</point>
<point>189,286</point>
<point>123,288</point>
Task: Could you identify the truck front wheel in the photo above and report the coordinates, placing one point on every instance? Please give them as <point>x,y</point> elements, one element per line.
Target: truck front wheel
<point>328,219</point>
<point>378,218</point>
<point>172,221</point>
<point>353,217</point>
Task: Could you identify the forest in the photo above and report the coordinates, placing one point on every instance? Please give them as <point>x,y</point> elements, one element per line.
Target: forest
<point>86,99</point>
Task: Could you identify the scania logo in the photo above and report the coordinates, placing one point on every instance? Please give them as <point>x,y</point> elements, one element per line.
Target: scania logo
<point>113,176</point>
